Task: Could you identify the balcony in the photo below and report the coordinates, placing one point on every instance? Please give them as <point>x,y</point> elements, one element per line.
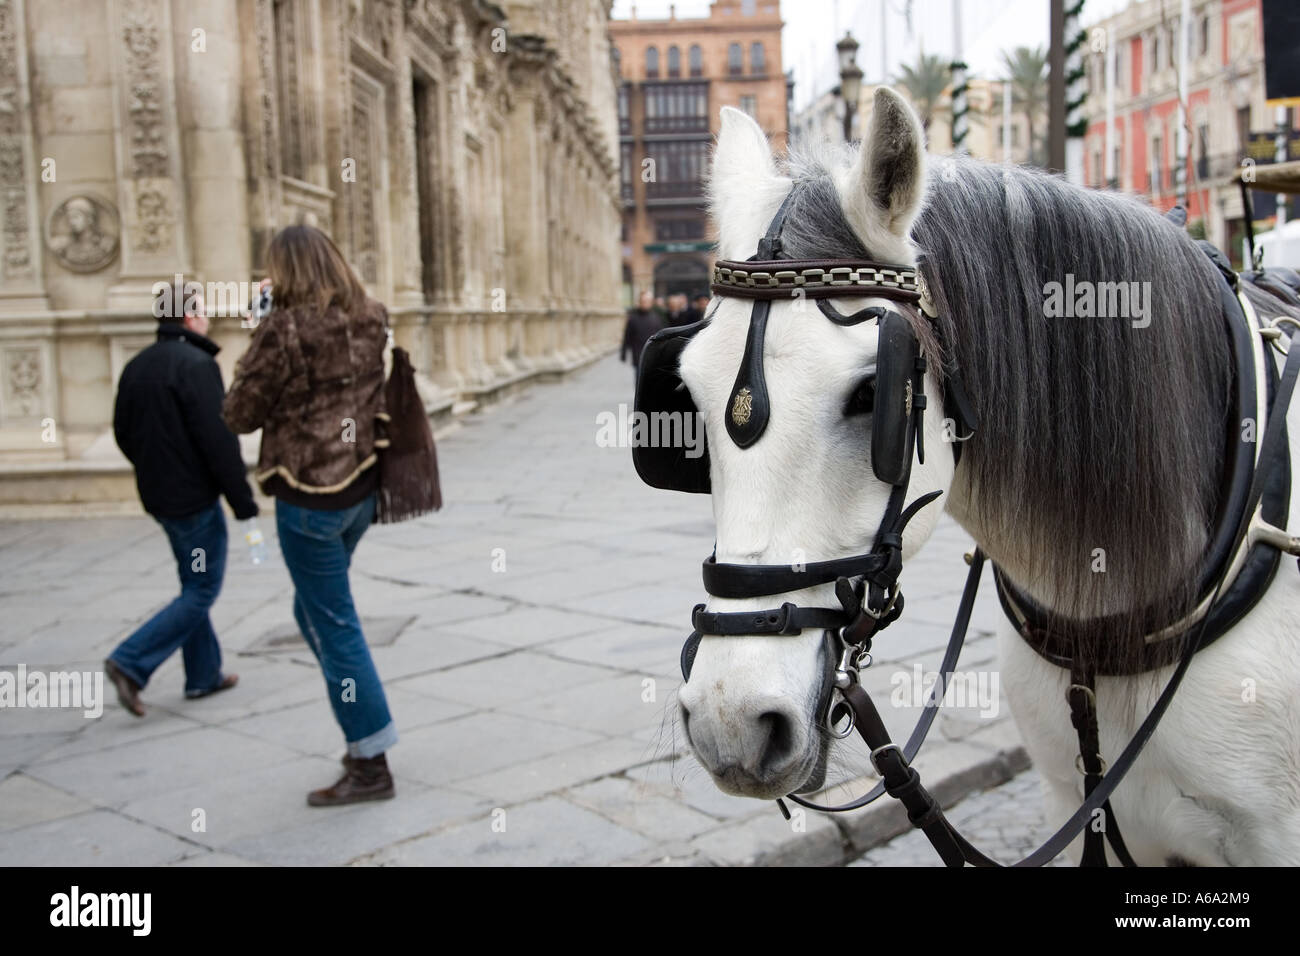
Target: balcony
<point>686,189</point>
<point>676,124</point>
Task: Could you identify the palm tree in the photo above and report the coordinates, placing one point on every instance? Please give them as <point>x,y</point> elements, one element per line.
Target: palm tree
<point>1027,73</point>
<point>925,83</point>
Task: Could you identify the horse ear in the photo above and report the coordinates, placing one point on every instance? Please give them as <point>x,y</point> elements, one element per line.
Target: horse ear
<point>887,182</point>
<point>742,147</point>
<point>742,176</point>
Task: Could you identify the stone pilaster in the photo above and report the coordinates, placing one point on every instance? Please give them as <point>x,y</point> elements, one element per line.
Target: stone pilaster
<point>22,286</point>
<point>155,230</point>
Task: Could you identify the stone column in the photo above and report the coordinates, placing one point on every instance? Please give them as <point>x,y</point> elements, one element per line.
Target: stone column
<point>22,287</point>
<point>155,232</point>
<point>208,95</point>
<point>403,194</point>
<point>261,127</point>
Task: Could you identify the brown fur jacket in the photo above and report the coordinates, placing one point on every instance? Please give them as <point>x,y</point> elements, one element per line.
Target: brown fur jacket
<point>314,383</point>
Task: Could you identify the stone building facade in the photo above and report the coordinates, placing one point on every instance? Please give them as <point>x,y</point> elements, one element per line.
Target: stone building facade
<point>462,154</point>
<point>1228,116</point>
<point>823,119</point>
<point>675,77</point>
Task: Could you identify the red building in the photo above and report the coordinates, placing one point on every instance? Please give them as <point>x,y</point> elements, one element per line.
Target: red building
<point>1228,119</point>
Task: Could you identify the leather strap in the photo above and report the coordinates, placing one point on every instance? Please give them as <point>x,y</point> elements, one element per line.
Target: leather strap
<point>788,619</point>
<point>960,627</point>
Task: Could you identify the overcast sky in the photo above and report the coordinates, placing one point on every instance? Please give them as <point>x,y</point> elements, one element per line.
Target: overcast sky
<point>813,26</point>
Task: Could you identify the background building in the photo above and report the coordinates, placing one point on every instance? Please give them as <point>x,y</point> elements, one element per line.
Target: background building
<point>823,118</point>
<point>1228,118</point>
<point>462,154</point>
<point>675,77</point>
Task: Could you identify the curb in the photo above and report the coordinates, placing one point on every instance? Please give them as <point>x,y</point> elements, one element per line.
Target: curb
<point>886,819</point>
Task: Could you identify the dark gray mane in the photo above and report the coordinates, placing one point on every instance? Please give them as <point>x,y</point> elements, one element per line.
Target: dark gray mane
<point>1093,433</point>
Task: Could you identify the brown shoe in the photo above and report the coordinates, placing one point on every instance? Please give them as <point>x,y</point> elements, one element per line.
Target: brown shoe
<point>227,682</point>
<point>363,779</point>
<point>128,691</point>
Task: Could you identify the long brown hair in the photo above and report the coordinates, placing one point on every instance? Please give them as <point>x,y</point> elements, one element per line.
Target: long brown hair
<point>307,269</point>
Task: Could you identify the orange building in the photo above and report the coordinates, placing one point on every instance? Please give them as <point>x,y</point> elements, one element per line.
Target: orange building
<point>675,77</point>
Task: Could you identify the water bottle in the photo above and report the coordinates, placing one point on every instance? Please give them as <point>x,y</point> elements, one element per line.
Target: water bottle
<point>256,543</point>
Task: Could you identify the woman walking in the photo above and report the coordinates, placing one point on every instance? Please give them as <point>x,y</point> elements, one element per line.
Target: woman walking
<point>313,381</point>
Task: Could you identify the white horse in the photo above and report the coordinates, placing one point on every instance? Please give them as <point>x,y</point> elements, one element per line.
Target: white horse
<point>1125,422</point>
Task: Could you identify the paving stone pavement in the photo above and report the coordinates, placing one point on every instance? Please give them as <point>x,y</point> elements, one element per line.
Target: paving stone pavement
<point>528,638</point>
<point>1006,823</point>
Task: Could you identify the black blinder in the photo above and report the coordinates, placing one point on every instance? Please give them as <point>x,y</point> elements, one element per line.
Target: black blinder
<point>898,396</point>
<point>660,393</point>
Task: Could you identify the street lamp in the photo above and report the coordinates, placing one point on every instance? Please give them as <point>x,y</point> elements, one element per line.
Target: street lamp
<point>850,80</point>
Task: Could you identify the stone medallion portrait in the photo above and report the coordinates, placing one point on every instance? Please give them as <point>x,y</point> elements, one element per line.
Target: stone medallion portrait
<point>82,233</point>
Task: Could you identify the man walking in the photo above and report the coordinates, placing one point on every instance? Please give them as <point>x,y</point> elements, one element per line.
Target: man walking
<point>642,322</point>
<point>167,421</point>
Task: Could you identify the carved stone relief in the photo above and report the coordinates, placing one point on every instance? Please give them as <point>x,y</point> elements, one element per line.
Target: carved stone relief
<point>82,232</point>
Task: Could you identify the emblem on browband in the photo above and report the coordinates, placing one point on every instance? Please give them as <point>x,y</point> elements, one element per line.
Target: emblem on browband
<point>907,398</point>
<point>742,407</point>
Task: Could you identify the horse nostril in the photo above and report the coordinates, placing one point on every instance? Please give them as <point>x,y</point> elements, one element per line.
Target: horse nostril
<point>778,746</point>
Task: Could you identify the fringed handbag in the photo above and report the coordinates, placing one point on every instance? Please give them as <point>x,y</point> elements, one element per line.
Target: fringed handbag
<point>408,467</point>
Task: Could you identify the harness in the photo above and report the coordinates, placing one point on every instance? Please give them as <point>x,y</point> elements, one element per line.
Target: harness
<point>1246,549</point>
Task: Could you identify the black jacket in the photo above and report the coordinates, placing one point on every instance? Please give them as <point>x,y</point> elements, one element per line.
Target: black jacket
<point>641,324</point>
<point>167,421</point>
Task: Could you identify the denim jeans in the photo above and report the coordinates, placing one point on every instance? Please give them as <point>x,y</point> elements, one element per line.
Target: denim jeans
<point>199,543</point>
<point>317,547</point>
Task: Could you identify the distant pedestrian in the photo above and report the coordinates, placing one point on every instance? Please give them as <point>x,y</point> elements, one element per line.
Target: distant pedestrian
<point>679,312</point>
<point>167,421</point>
<point>313,381</point>
<point>642,322</point>
<point>699,307</point>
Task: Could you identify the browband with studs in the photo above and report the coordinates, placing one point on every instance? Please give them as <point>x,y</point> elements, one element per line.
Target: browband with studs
<point>784,278</point>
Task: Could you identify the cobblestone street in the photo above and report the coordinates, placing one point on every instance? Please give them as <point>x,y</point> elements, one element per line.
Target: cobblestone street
<point>535,701</point>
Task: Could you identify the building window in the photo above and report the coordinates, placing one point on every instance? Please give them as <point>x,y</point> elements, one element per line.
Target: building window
<point>669,230</point>
<point>696,56</point>
<point>677,108</point>
<point>749,104</point>
<point>1243,128</point>
<point>735,60</point>
<point>757,61</point>
<point>674,62</point>
<point>626,171</point>
<point>1155,52</point>
<point>1203,147</point>
<point>652,63</point>
<point>624,117</point>
<point>679,168</point>
<point>1205,34</point>
<point>1175,41</point>
<point>293,139</point>
<point>1157,164</point>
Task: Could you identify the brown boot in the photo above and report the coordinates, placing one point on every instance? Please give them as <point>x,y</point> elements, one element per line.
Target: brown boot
<point>363,779</point>
<point>128,691</point>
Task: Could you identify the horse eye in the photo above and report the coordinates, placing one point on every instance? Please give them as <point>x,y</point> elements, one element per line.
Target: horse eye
<point>863,399</point>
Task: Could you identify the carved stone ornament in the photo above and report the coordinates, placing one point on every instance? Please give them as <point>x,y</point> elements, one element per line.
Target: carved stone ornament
<point>82,233</point>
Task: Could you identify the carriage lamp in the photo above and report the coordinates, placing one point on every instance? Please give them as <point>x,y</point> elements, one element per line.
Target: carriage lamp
<point>850,80</point>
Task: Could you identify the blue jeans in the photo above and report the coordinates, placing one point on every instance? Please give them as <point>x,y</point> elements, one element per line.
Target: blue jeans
<point>317,547</point>
<point>199,543</point>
